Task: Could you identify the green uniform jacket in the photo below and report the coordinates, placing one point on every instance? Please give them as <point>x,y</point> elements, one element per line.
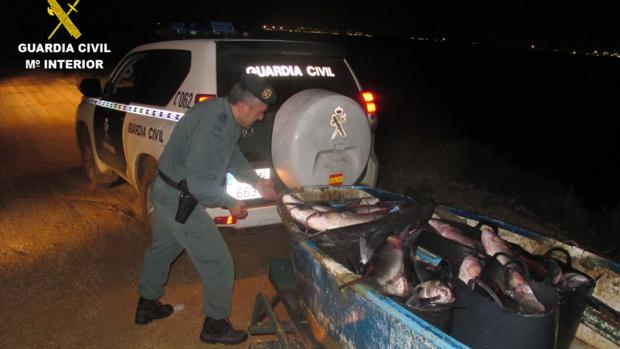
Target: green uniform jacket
<point>202,148</point>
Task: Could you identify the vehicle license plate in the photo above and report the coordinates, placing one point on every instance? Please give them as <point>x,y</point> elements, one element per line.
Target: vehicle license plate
<point>243,191</point>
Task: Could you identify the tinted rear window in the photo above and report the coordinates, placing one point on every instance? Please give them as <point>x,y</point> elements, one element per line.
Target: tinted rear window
<point>162,74</point>
<point>290,69</point>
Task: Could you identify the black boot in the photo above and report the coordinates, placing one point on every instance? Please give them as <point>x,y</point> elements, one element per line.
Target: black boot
<point>221,331</point>
<point>149,310</point>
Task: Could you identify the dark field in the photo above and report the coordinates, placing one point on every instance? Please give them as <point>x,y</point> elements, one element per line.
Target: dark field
<point>549,113</point>
<point>536,128</point>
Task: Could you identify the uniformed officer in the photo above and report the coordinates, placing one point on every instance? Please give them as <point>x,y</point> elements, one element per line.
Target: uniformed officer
<point>202,148</point>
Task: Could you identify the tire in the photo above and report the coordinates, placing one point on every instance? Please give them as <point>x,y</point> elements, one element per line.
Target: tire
<point>93,174</point>
<point>336,139</point>
<point>149,172</point>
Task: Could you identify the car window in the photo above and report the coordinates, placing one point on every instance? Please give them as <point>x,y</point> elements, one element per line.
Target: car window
<point>162,74</point>
<point>122,87</point>
<point>288,72</point>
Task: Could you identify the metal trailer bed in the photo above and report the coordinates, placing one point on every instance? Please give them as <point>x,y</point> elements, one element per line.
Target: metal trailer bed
<point>360,317</point>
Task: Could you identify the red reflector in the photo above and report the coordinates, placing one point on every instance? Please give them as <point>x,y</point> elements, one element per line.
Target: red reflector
<point>371,108</point>
<point>368,101</point>
<point>228,220</point>
<point>202,97</point>
<point>368,96</point>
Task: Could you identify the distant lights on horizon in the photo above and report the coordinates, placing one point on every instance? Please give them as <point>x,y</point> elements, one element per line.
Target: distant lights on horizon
<point>349,32</point>
<point>311,30</point>
<point>421,38</point>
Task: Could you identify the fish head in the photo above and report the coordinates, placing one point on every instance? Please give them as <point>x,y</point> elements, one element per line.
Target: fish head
<point>445,294</point>
<point>431,292</point>
<point>397,287</point>
<point>515,280</point>
<point>394,241</point>
<point>471,268</point>
<point>571,281</point>
<point>488,238</point>
<point>528,304</point>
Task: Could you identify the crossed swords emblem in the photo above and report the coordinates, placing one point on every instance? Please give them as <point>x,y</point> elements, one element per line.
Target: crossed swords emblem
<point>63,17</point>
<point>338,118</point>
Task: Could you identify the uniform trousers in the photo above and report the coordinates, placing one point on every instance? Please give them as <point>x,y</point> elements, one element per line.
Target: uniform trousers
<point>204,244</point>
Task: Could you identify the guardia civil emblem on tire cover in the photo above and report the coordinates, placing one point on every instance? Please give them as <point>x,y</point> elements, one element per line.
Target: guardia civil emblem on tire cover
<point>338,118</point>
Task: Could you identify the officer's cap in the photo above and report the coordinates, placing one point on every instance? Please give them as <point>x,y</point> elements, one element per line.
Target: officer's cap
<point>259,87</point>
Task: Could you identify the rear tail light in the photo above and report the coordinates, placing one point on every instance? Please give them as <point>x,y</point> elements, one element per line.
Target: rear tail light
<point>225,220</point>
<point>370,106</point>
<point>202,97</point>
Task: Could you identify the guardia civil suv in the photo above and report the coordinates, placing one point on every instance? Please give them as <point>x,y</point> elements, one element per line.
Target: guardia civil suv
<point>319,133</point>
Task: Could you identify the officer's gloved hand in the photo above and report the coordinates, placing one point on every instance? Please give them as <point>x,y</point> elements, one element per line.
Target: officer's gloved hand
<point>239,210</point>
<point>266,190</point>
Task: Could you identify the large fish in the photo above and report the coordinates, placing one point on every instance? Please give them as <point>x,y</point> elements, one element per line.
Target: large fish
<point>366,209</point>
<point>471,267</point>
<point>322,217</point>
<point>292,202</point>
<point>517,288</point>
<point>386,269</point>
<point>430,293</point>
<point>323,221</point>
<point>493,244</point>
<point>452,233</point>
<point>299,210</point>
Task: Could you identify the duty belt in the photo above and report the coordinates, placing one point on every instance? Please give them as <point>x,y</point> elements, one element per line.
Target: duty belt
<point>187,202</point>
<point>168,180</point>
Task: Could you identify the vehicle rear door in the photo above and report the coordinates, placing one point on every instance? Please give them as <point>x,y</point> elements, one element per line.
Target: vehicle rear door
<point>290,67</point>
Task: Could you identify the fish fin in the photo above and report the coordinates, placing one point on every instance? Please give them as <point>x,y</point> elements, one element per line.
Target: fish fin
<point>354,266</point>
<point>414,300</point>
<point>365,251</point>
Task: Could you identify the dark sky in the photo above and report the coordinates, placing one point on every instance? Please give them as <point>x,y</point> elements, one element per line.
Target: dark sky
<point>587,24</point>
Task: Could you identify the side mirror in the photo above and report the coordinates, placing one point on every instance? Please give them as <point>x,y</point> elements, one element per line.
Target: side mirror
<point>90,87</point>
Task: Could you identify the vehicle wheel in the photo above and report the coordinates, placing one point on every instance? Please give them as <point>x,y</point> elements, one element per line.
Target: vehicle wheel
<point>149,171</point>
<point>89,166</point>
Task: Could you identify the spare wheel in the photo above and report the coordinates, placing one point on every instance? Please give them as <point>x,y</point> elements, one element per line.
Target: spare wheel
<point>320,137</point>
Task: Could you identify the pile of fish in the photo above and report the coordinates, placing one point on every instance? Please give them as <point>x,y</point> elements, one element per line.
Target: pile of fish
<point>323,216</point>
<point>434,266</point>
<point>525,285</point>
<point>521,269</point>
<point>387,270</point>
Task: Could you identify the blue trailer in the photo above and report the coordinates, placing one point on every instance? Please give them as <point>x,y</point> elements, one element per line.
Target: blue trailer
<point>361,317</point>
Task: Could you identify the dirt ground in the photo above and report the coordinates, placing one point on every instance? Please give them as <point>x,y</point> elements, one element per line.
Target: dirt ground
<point>70,254</point>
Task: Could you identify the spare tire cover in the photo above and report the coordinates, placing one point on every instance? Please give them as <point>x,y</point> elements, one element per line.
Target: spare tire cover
<point>320,137</point>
